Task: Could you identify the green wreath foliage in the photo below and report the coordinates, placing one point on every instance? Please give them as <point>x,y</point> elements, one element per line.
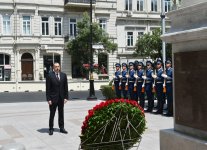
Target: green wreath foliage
<point>112,125</point>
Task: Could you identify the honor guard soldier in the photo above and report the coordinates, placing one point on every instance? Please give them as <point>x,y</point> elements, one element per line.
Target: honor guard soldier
<point>169,87</point>
<point>159,81</point>
<point>148,86</point>
<point>131,80</point>
<point>117,80</point>
<point>124,80</point>
<point>139,83</point>
<point>135,83</point>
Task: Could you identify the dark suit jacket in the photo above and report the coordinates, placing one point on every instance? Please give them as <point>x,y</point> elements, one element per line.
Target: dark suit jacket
<point>55,88</point>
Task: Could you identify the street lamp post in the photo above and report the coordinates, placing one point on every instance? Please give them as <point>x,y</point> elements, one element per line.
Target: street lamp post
<point>92,91</point>
<point>163,30</point>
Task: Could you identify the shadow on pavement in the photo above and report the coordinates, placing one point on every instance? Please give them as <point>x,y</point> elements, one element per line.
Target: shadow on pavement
<point>46,130</point>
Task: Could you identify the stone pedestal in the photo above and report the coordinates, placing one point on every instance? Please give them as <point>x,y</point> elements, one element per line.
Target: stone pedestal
<point>189,39</point>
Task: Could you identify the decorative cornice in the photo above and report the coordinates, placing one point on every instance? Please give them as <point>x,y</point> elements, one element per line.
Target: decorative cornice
<point>186,35</point>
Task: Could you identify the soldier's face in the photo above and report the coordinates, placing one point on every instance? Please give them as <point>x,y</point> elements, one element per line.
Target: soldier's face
<point>139,67</point>
<point>124,67</point>
<point>159,66</point>
<point>168,65</point>
<point>131,67</point>
<point>56,67</point>
<point>117,68</point>
<point>148,66</point>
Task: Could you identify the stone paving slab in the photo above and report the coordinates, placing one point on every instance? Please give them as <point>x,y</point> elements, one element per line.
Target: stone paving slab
<point>27,123</point>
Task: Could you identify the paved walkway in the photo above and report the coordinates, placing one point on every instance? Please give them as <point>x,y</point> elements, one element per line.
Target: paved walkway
<point>27,123</point>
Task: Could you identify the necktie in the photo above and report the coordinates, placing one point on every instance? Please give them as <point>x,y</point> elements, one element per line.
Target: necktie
<point>57,76</point>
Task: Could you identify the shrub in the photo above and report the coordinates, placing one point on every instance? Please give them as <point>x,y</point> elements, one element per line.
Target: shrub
<point>113,124</point>
<point>107,92</point>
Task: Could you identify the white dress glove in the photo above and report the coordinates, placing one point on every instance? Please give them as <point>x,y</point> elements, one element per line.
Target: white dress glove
<point>144,77</point>
<point>154,76</point>
<point>164,75</point>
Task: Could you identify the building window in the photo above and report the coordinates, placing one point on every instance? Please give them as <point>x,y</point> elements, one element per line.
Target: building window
<point>128,5</point>
<point>5,67</point>
<point>73,29</point>
<point>102,23</point>
<point>48,61</point>
<point>6,25</point>
<point>168,5</point>
<point>26,25</point>
<point>154,5</point>
<point>58,26</point>
<point>45,26</point>
<point>140,34</point>
<point>140,5</point>
<point>129,38</point>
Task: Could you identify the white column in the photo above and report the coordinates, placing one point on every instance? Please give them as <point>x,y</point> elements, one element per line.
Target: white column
<point>18,63</point>
<point>37,56</point>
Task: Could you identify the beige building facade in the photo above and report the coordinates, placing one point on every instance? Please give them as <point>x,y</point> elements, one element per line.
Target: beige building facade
<point>33,34</point>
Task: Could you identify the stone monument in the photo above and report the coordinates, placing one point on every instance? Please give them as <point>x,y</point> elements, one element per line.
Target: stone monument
<point>188,36</point>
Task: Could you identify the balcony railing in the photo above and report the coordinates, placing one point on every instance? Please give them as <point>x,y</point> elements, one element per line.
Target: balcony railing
<point>80,1</point>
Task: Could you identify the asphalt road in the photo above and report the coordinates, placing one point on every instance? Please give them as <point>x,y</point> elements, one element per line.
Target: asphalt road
<point>13,97</point>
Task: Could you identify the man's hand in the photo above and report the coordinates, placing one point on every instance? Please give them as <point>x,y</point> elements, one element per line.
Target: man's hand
<point>65,101</point>
<point>50,102</point>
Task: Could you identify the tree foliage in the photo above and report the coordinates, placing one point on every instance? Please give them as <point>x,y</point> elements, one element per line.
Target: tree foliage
<point>79,48</point>
<point>151,45</point>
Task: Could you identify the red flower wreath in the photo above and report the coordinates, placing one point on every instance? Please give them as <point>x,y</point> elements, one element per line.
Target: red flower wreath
<point>91,112</point>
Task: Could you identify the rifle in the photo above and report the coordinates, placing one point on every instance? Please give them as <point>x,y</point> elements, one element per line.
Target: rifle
<point>126,86</point>
<point>135,84</point>
<point>143,85</point>
<point>113,86</point>
<point>164,84</point>
<point>153,86</point>
<point>120,80</point>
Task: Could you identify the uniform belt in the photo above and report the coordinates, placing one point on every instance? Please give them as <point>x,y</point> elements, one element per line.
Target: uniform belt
<point>131,81</point>
<point>116,80</point>
<point>168,81</point>
<point>123,81</point>
<point>140,81</point>
<point>159,82</point>
<point>148,82</point>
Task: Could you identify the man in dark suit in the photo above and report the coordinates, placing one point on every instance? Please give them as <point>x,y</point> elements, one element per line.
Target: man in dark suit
<point>57,96</point>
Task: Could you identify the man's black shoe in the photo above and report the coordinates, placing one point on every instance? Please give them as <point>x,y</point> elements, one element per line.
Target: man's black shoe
<point>50,132</point>
<point>63,131</point>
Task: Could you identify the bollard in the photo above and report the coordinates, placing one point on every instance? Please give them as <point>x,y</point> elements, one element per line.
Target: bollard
<point>13,146</point>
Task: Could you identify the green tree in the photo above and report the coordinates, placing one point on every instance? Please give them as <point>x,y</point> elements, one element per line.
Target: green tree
<point>151,45</point>
<point>79,48</point>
